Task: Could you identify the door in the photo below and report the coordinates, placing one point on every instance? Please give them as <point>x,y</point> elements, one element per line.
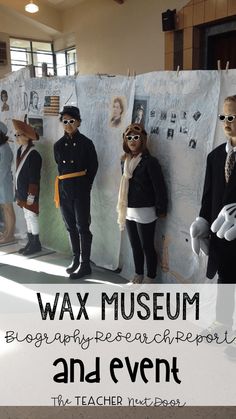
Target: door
<point>221,47</point>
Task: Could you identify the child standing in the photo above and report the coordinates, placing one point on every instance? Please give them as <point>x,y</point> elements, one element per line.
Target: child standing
<point>214,231</point>
<point>28,167</point>
<point>142,200</point>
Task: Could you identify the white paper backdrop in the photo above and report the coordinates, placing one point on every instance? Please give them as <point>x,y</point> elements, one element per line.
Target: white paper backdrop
<point>180,114</point>
<point>96,95</point>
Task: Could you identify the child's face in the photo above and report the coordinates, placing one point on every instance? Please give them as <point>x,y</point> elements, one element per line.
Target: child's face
<point>229,108</point>
<point>21,139</point>
<point>70,127</point>
<point>134,144</point>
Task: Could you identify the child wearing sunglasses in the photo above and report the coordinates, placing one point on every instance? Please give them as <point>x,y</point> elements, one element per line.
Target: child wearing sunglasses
<point>6,187</point>
<point>28,168</point>
<point>214,231</point>
<point>77,163</point>
<point>142,199</point>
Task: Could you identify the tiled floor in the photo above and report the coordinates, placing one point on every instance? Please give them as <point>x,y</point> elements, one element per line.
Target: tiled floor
<point>46,266</point>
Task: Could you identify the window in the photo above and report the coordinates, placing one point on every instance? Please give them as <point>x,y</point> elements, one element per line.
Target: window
<point>42,53</point>
<point>25,52</point>
<point>66,62</point>
<point>28,52</point>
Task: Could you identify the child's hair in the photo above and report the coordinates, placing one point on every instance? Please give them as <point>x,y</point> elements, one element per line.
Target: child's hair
<point>3,138</point>
<point>230,98</point>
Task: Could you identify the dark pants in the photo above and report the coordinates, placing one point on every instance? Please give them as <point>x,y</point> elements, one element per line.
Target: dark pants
<point>225,303</point>
<point>76,216</point>
<point>141,238</point>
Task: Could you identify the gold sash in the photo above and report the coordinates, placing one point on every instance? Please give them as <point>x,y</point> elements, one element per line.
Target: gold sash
<point>61,177</point>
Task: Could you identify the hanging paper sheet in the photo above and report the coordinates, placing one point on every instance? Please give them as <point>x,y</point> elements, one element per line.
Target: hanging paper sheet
<point>180,113</point>
<point>106,107</point>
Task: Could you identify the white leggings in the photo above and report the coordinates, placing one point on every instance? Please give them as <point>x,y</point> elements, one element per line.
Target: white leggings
<point>31,221</point>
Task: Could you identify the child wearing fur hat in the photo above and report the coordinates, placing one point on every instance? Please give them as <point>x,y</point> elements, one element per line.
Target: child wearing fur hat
<point>28,167</point>
<point>6,187</point>
<point>142,199</point>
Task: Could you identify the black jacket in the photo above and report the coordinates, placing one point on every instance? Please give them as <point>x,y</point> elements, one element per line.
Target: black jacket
<point>216,194</point>
<point>147,186</point>
<point>28,181</point>
<point>74,155</point>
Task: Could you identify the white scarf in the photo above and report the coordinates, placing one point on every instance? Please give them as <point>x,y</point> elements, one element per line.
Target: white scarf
<point>129,167</point>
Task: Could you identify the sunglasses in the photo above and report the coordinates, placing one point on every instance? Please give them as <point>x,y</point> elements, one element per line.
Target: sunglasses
<point>68,121</point>
<point>18,135</point>
<point>133,137</point>
<point>229,118</point>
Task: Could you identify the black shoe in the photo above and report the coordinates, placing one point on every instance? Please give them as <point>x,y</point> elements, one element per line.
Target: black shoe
<point>22,250</point>
<point>73,266</point>
<point>34,247</point>
<point>85,269</point>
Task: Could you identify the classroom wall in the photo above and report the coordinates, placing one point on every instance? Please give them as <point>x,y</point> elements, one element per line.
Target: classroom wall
<point>112,38</point>
<point>109,37</point>
<point>18,26</point>
<point>193,14</point>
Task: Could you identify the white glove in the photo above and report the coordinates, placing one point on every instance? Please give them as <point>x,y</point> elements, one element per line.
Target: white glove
<point>225,224</point>
<point>199,232</point>
<point>30,199</point>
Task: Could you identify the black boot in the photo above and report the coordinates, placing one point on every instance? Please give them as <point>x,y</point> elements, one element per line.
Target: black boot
<point>74,265</point>
<point>85,268</point>
<point>75,245</point>
<point>22,250</point>
<point>34,247</point>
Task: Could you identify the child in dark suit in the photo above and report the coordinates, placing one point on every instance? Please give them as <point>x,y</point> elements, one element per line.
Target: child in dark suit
<point>214,231</point>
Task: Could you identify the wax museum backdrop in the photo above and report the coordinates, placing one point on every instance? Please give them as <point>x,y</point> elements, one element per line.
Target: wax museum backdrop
<point>179,111</point>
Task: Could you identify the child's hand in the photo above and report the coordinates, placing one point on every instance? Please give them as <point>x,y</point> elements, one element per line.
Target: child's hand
<point>225,224</point>
<point>30,199</point>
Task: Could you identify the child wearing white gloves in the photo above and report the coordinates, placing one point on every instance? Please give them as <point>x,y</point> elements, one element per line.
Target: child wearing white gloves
<point>214,231</point>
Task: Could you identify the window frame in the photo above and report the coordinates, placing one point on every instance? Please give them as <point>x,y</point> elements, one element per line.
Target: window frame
<point>31,54</point>
<point>68,64</point>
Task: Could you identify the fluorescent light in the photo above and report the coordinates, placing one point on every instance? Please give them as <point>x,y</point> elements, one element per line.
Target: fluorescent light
<point>31,7</point>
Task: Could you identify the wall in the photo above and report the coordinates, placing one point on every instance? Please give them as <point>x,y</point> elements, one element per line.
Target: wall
<point>19,26</point>
<point>112,38</point>
<point>109,37</point>
<point>195,12</point>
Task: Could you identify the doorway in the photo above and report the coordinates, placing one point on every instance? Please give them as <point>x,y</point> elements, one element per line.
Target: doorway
<point>221,47</point>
